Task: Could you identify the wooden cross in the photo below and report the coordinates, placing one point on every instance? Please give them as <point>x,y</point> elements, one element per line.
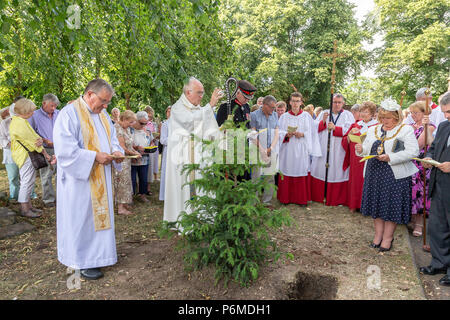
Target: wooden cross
<point>333,55</point>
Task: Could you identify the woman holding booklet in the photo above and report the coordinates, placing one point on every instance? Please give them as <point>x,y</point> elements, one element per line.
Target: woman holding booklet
<point>387,176</point>
<point>356,134</point>
<point>122,179</point>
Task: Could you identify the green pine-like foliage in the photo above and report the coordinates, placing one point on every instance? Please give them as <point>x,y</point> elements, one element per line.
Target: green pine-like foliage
<point>229,227</point>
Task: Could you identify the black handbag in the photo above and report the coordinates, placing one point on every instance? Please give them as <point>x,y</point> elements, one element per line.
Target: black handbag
<point>398,146</point>
<point>160,147</point>
<point>37,159</point>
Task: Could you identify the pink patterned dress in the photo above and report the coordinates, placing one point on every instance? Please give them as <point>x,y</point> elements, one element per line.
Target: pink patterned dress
<point>417,181</point>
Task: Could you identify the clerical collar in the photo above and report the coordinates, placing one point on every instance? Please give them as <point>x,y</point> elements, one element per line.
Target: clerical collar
<point>187,103</point>
<point>86,105</point>
<point>299,113</point>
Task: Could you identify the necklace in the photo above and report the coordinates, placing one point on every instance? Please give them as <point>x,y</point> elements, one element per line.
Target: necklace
<point>383,138</point>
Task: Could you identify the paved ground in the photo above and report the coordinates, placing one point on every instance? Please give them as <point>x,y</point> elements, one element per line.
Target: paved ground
<point>432,289</point>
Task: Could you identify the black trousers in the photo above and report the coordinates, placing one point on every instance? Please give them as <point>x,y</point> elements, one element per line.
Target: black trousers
<point>439,228</point>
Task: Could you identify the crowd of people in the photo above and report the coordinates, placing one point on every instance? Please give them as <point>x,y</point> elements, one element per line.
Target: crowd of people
<point>361,158</point>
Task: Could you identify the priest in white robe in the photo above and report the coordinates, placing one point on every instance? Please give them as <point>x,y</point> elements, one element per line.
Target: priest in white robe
<point>297,137</point>
<point>85,146</point>
<point>337,177</point>
<point>187,118</point>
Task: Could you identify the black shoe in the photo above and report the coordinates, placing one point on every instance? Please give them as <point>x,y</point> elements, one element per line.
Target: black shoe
<point>91,274</point>
<point>375,246</point>
<point>431,271</point>
<point>445,281</point>
<point>386,249</point>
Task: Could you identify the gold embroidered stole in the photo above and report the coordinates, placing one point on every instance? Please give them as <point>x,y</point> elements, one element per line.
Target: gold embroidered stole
<point>97,179</point>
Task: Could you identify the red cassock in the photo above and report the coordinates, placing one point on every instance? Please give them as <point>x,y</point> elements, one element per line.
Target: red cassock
<point>337,180</point>
<point>294,158</point>
<point>356,179</point>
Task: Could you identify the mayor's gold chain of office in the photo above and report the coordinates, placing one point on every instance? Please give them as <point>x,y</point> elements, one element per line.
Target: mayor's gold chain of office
<point>380,148</point>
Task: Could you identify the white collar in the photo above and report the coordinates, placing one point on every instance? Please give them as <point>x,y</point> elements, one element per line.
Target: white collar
<point>86,105</point>
<point>187,103</point>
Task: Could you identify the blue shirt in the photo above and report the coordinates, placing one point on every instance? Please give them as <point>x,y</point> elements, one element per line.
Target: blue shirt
<point>43,124</point>
<point>259,121</point>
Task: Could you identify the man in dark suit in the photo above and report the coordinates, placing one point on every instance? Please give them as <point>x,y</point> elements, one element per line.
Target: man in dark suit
<point>239,105</point>
<point>240,110</point>
<point>439,191</point>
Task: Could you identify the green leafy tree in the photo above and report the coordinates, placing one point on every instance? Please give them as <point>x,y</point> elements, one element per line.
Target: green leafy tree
<point>146,49</point>
<point>416,47</point>
<point>279,43</point>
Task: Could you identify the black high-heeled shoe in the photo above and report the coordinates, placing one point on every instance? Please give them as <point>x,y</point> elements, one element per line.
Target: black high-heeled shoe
<point>375,246</point>
<point>386,249</point>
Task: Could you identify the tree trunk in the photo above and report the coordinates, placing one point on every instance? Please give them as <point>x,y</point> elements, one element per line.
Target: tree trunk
<point>127,100</point>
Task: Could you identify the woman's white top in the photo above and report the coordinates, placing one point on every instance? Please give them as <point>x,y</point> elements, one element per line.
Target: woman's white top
<point>400,162</point>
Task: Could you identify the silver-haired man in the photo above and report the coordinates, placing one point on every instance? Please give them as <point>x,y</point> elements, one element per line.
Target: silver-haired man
<point>42,122</point>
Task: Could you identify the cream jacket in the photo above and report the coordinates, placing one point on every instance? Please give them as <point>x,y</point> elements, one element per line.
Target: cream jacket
<point>400,162</point>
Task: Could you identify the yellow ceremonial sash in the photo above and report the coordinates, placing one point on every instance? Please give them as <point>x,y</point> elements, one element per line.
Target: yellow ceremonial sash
<point>97,180</point>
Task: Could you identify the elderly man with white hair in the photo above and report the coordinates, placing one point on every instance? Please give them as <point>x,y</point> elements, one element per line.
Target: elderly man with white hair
<point>42,122</point>
<point>187,118</point>
<point>436,116</point>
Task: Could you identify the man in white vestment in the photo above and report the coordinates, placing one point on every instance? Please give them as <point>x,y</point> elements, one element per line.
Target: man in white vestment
<point>187,118</point>
<point>341,120</point>
<point>85,145</point>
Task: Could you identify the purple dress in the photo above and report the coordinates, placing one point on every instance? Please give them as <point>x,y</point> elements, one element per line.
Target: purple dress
<point>417,181</point>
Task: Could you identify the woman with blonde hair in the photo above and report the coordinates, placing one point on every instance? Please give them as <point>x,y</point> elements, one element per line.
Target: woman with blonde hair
<point>310,109</point>
<point>317,111</point>
<point>387,175</point>
<point>122,179</point>
<point>23,137</point>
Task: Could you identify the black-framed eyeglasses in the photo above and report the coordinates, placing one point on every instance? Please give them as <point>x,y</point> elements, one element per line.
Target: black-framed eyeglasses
<point>102,101</point>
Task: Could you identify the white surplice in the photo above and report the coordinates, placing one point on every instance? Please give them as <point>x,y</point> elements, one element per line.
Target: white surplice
<point>185,119</point>
<point>337,152</point>
<point>163,140</point>
<point>294,156</point>
<point>79,245</point>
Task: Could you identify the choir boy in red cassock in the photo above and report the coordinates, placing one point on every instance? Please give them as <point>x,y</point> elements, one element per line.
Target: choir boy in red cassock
<point>359,129</point>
